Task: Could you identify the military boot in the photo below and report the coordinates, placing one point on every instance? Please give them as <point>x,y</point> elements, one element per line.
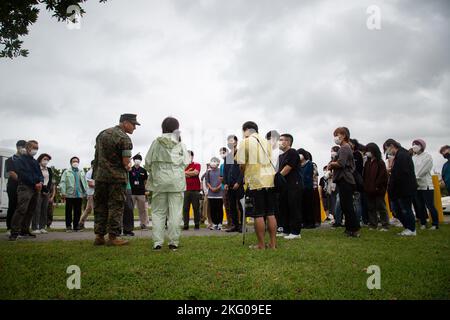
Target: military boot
<point>99,240</point>
<point>114,241</point>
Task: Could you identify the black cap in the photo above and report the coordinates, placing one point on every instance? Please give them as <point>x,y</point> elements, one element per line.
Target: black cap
<point>129,117</point>
<point>21,143</point>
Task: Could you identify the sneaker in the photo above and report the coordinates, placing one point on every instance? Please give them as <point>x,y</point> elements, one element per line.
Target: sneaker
<point>279,235</point>
<point>143,227</point>
<point>280,230</point>
<point>36,232</point>
<point>69,230</point>
<point>8,232</point>
<point>186,228</point>
<point>81,226</point>
<point>211,227</point>
<point>219,227</point>
<point>197,227</point>
<point>128,234</point>
<point>157,248</point>
<point>293,237</point>
<point>434,228</point>
<point>43,231</point>
<point>173,247</point>
<point>408,233</point>
<point>423,227</point>
<point>384,229</point>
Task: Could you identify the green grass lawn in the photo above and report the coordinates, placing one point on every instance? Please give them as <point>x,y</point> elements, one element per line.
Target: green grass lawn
<point>323,265</point>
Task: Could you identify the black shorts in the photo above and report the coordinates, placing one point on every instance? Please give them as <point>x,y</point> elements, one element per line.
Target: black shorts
<point>264,202</point>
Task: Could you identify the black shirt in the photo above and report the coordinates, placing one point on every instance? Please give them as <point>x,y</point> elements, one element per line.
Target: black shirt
<point>9,166</point>
<point>138,177</point>
<point>292,159</point>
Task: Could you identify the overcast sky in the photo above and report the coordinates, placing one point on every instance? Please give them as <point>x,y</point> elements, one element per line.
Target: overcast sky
<point>301,67</point>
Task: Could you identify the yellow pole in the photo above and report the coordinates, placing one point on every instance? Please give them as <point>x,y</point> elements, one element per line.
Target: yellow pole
<point>323,214</point>
<point>388,206</point>
<point>438,198</point>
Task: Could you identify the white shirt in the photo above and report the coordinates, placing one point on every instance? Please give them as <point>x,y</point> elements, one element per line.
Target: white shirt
<point>46,175</point>
<point>90,191</point>
<point>423,163</point>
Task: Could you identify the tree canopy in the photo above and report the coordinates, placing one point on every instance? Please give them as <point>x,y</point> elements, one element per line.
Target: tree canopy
<point>16,17</point>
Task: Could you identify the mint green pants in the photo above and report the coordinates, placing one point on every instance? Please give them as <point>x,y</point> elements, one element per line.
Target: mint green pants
<point>167,206</point>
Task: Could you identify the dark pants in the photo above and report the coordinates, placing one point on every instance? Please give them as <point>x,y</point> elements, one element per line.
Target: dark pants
<point>73,205</point>
<point>404,212</point>
<point>50,210</point>
<point>365,208</point>
<point>39,221</point>
<point>27,198</point>
<point>425,200</point>
<point>308,208</point>
<point>291,210</point>
<point>128,214</point>
<point>316,207</point>
<point>346,191</point>
<point>191,197</point>
<point>377,206</point>
<point>216,206</point>
<point>12,206</point>
<point>234,197</point>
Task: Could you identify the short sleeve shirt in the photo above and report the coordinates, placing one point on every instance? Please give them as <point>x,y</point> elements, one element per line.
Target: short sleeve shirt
<point>193,183</point>
<point>292,159</point>
<point>112,145</point>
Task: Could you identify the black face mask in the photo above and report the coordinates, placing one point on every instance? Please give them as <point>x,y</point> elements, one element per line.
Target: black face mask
<point>447,156</point>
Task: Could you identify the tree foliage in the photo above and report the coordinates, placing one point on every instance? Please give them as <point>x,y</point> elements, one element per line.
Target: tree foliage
<point>16,17</point>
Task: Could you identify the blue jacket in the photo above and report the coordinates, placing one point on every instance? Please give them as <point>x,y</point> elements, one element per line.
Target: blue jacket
<point>307,171</point>
<point>28,170</point>
<point>446,174</point>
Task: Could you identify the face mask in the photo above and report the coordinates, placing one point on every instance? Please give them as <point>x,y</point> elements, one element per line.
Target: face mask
<point>333,154</point>
<point>22,151</point>
<point>214,165</point>
<point>231,146</point>
<point>447,156</point>
<point>369,155</point>
<point>75,165</point>
<point>33,152</point>
<point>137,162</point>
<point>44,163</point>
<point>337,140</point>
<point>416,148</point>
<point>302,157</point>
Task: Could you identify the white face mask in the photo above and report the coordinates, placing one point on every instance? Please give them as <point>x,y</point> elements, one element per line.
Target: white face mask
<point>369,155</point>
<point>75,165</point>
<point>137,162</point>
<point>302,157</point>
<point>44,163</point>
<point>22,151</point>
<point>333,154</point>
<point>33,152</point>
<point>337,140</point>
<point>214,165</point>
<point>416,148</point>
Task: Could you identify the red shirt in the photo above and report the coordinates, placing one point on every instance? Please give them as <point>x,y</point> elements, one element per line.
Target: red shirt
<point>193,183</point>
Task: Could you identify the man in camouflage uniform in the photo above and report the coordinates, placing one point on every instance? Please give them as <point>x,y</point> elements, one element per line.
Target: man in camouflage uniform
<point>112,159</point>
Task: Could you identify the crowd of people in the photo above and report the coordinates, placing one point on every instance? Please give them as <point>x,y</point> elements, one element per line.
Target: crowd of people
<point>262,177</point>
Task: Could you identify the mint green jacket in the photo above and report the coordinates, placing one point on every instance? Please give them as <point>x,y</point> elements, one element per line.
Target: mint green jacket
<point>165,162</point>
<point>67,184</point>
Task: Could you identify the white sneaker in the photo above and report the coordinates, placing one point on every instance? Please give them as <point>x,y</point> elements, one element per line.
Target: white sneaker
<point>280,234</point>
<point>219,227</point>
<point>36,232</point>
<point>293,236</point>
<point>423,227</point>
<point>434,228</point>
<point>384,229</point>
<point>408,233</point>
<point>43,231</point>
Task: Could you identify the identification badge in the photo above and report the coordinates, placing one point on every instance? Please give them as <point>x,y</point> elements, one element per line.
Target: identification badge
<point>136,183</point>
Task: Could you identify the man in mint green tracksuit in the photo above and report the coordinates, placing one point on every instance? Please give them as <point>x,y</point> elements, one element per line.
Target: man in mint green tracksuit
<point>165,163</point>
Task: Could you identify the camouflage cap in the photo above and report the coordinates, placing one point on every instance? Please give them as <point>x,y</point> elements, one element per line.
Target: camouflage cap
<point>129,117</point>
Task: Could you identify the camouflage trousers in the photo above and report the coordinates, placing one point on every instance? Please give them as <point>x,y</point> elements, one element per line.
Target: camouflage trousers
<point>109,202</point>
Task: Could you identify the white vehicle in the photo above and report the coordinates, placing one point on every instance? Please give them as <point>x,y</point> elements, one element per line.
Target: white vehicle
<point>4,154</point>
